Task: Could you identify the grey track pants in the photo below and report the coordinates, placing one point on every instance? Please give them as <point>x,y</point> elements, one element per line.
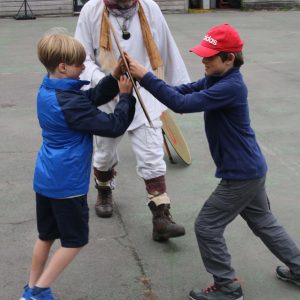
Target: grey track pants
<point>247,198</point>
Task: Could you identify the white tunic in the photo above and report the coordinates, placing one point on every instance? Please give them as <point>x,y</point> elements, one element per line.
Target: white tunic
<point>88,32</point>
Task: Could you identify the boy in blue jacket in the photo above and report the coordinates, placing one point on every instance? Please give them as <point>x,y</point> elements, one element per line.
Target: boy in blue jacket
<point>69,118</point>
<point>241,166</point>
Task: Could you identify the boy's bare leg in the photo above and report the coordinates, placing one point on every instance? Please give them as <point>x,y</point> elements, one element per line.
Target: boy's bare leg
<point>60,260</point>
<point>40,255</point>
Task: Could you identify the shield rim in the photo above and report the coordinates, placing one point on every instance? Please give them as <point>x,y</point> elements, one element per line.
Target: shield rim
<point>179,136</point>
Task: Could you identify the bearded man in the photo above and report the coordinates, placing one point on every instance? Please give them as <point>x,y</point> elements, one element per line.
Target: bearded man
<point>144,34</point>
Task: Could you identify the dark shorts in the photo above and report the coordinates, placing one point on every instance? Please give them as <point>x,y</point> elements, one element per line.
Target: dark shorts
<point>64,219</point>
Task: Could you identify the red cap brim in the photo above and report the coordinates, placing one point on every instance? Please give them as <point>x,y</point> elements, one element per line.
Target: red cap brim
<point>204,51</point>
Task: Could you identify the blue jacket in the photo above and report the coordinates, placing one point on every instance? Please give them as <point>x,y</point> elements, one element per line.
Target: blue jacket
<point>224,101</point>
<point>69,118</point>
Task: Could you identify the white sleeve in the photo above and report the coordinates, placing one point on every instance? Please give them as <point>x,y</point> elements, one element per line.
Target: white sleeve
<point>84,33</point>
<point>175,69</point>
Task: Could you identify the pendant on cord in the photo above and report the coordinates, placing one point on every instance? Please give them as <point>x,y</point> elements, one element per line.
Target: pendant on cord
<point>125,34</point>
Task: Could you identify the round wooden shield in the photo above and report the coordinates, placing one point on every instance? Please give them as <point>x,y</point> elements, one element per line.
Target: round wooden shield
<point>175,137</point>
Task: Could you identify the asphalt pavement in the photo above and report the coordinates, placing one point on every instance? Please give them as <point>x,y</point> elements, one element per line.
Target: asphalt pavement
<point>121,261</point>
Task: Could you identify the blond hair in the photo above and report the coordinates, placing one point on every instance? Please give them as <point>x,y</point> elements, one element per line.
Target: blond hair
<point>56,48</point>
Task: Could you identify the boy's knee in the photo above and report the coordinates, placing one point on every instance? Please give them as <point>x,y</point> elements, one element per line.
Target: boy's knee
<point>200,228</point>
<point>206,230</point>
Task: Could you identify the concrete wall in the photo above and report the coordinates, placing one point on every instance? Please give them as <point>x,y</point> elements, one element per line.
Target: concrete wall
<point>39,7</point>
<point>65,7</point>
<point>270,4</point>
<point>174,6</point>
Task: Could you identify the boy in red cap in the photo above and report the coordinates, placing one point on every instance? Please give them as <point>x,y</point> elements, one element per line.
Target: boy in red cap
<point>241,166</point>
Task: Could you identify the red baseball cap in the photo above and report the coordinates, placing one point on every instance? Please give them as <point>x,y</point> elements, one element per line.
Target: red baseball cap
<point>222,38</point>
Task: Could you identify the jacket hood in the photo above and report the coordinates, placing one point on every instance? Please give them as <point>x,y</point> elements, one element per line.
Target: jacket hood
<point>64,83</point>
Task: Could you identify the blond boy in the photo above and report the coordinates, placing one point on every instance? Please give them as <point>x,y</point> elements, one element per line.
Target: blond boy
<point>68,118</point>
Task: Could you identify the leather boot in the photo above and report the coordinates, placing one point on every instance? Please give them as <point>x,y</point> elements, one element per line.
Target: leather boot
<point>163,225</point>
<point>104,203</point>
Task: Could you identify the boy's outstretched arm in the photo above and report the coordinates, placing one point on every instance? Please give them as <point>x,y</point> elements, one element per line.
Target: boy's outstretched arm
<point>138,71</point>
<point>82,116</point>
<point>161,90</point>
<point>187,98</point>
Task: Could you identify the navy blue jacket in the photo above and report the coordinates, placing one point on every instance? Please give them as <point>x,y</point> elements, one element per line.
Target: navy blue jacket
<point>224,101</point>
<point>69,118</point>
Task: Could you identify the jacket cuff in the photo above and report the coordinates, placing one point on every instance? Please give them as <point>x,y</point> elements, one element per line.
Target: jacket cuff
<point>146,78</point>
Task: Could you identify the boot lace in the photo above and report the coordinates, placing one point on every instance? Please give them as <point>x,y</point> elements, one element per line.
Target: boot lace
<point>105,196</point>
<point>168,215</point>
<point>211,288</point>
<point>214,287</point>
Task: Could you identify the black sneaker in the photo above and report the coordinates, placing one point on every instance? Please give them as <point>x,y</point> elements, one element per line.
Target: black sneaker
<point>231,291</point>
<point>286,274</point>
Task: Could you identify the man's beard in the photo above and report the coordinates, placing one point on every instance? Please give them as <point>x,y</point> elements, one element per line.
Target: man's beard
<point>125,4</point>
